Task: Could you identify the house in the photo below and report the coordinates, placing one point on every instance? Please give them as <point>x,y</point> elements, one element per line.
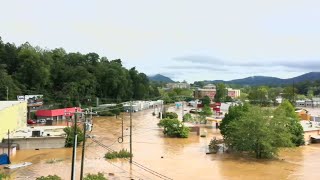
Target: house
<point>311,130</point>
<point>13,116</point>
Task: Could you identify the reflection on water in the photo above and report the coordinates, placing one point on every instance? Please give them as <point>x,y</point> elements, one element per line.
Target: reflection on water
<point>173,157</point>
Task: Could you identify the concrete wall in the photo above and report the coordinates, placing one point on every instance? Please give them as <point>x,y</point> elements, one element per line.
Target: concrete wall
<point>12,117</point>
<point>39,142</point>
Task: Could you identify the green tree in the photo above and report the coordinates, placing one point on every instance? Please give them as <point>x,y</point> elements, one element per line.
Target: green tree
<point>70,136</point>
<point>259,95</point>
<point>234,114</point>
<point>293,125</point>
<point>187,117</point>
<point>221,93</point>
<point>206,100</point>
<point>258,133</point>
<point>174,128</point>
<point>206,111</point>
<point>290,93</point>
<point>171,115</point>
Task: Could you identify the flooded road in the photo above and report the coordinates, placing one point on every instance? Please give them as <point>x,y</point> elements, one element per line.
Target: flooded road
<point>172,157</point>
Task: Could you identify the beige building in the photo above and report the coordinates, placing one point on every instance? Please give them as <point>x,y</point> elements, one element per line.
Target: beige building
<point>13,116</point>
<point>178,85</point>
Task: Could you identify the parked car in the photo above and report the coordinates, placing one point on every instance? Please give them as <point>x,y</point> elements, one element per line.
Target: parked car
<point>194,111</point>
<point>43,121</point>
<point>30,121</point>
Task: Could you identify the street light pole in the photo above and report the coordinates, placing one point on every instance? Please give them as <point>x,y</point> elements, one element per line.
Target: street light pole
<point>84,144</point>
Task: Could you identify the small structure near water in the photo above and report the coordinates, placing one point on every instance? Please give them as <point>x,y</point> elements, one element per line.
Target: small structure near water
<point>39,137</point>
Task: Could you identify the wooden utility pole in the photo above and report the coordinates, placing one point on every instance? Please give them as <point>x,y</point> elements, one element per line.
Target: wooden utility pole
<point>74,152</point>
<point>7,93</point>
<point>130,131</point>
<point>9,147</point>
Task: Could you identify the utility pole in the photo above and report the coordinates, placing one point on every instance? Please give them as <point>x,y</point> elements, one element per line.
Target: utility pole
<point>182,110</point>
<point>9,147</point>
<point>293,93</point>
<point>131,132</point>
<point>84,143</point>
<point>74,152</point>
<point>7,93</point>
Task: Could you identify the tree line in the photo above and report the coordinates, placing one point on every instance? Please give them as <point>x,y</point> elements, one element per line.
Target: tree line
<point>69,78</point>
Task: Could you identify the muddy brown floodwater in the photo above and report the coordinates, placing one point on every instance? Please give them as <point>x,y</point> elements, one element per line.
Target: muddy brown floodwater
<point>172,157</point>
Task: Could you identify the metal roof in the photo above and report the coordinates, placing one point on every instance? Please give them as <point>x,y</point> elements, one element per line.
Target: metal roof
<point>6,104</point>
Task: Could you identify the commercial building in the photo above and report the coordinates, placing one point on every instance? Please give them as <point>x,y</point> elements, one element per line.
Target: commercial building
<point>210,91</point>
<point>13,116</point>
<point>314,102</point>
<point>142,105</point>
<point>57,114</point>
<point>178,85</point>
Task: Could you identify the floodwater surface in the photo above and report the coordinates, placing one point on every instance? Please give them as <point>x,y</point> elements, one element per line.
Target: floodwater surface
<point>172,157</point>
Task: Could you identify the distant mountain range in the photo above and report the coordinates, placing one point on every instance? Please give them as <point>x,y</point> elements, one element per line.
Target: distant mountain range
<point>160,78</point>
<point>265,80</point>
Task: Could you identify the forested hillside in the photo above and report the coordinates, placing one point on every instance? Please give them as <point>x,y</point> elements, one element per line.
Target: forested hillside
<point>68,78</point>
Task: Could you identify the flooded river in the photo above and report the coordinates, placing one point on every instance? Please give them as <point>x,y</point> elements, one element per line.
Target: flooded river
<point>172,157</point>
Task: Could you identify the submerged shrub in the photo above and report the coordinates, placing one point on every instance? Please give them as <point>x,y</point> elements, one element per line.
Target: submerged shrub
<point>123,153</point>
<point>50,177</point>
<point>98,176</point>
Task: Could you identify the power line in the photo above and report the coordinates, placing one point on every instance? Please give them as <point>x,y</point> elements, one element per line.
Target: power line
<point>136,163</point>
<point>120,167</point>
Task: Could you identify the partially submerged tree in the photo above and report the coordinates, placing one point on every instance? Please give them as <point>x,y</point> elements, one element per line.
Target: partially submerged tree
<point>174,128</point>
<point>234,113</point>
<point>293,125</point>
<point>70,136</point>
<point>258,133</point>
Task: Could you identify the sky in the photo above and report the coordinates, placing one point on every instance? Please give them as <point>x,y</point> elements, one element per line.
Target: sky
<point>182,39</point>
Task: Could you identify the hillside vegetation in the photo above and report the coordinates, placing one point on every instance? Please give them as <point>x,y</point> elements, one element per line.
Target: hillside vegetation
<point>68,78</point>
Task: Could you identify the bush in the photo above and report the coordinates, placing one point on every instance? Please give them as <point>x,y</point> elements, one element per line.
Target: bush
<point>115,111</point>
<point>50,177</point>
<point>123,153</point>
<point>171,115</point>
<point>106,113</point>
<point>187,117</point>
<point>4,176</point>
<point>70,136</point>
<point>174,128</point>
<point>98,176</point>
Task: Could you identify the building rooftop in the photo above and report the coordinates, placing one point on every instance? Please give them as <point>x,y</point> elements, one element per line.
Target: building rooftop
<point>6,104</point>
<point>310,125</point>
